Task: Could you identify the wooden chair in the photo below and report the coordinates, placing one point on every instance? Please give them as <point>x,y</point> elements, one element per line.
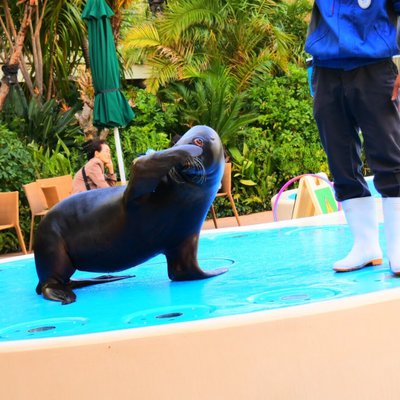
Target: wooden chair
<point>225,190</point>
<point>9,215</point>
<point>37,204</point>
<point>63,185</point>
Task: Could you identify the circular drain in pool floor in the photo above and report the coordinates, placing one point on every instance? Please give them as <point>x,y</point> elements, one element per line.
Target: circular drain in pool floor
<point>165,315</point>
<point>381,274</point>
<point>42,328</point>
<point>292,296</point>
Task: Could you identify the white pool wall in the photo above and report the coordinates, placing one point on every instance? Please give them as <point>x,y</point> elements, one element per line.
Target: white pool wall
<point>339,349</point>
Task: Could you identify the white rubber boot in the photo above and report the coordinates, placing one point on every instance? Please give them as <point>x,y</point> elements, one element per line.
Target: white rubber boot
<point>362,219</point>
<point>391,216</point>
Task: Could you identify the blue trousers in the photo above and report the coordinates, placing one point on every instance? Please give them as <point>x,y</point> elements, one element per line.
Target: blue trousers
<point>354,109</point>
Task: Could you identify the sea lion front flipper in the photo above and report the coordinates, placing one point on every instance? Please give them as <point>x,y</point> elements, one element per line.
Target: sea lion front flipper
<point>183,265</point>
<point>56,291</point>
<point>148,170</point>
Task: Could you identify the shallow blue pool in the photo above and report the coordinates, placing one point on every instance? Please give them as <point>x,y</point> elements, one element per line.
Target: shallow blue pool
<point>268,269</point>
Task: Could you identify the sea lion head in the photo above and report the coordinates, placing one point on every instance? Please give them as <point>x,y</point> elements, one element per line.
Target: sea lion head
<point>204,167</point>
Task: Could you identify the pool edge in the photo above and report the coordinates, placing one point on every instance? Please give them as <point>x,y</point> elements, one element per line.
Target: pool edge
<point>342,348</point>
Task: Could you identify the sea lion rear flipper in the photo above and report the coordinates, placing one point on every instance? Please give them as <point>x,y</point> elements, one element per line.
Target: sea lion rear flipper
<point>56,291</point>
<point>148,170</point>
<point>79,283</point>
<point>196,274</point>
<point>183,265</point>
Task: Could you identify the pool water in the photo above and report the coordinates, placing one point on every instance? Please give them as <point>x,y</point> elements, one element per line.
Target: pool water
<point>268,269</point>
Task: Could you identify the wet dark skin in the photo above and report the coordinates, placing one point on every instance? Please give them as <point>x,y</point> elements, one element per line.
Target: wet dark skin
<point>161,211</point>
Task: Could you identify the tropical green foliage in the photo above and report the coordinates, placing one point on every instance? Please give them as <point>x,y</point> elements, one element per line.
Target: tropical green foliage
<point>59,161</point>
<point>192,36</point>
<point>16,163</point>
<point>61,36</point>
<point>149,110</point>
<point>16,169</point>
<point>254,179</point>
<point>227,64</point>
<point>285,108</point>
<point>52,47</point>
<point>152,128</point>
<point>206,54</point>
<point>45,123</point>
<point>213,101</point>
<point>282,144</point>
<point>292,16</point>
<point>20,164</point>
<point>15,110</point>
<point>135,141</point>
<point>126,13</point>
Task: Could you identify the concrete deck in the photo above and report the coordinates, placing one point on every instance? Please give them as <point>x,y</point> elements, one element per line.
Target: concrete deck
<point>251,219</point>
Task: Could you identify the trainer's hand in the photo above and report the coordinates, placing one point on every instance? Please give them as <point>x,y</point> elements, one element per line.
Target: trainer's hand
<point>396,87</point>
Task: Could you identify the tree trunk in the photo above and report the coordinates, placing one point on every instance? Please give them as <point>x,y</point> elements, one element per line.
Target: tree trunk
<point>37,49</point>
<point>10,32</point>
<point>17,49</point>
<point>116,25</point>
<point>85,52</point>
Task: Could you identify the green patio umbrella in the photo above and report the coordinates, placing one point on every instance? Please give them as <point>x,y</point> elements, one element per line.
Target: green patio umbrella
<point>111,109</point>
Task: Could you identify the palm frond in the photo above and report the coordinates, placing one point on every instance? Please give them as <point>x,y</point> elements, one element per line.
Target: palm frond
<point>184,14</point>
<point>144,35</point>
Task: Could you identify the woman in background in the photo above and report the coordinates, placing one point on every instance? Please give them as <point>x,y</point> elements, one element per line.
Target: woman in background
<point>92,175</point>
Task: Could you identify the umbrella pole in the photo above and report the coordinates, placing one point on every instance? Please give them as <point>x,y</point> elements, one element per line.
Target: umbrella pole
<point>118,147</point>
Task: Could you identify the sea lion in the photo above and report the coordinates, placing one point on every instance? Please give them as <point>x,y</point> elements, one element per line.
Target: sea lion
<point>161,211</point>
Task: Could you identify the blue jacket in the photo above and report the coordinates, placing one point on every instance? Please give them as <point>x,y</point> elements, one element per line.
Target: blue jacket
<point>342,34</point>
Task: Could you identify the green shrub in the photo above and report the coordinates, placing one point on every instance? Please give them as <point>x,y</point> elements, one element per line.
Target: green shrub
<point>292,16</point>
<point>16,163</point>
<point>136,141</point>
<point>213,99</point>
<point>282,144</point>
<point>254,178</point>
<point>20,164</point>
<point>16,169</point>
<point>154,125</point>
<point>60,161</point>
<point>43,122</point>
<point>150,111</point>
<point>286,117</point>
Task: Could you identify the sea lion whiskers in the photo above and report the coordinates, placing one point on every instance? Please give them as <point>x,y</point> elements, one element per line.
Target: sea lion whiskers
<point>175,176</point>
<point>193,168</point>
<point>199,175</point>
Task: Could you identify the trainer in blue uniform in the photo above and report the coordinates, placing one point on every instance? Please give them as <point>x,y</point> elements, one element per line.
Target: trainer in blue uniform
<point>356,87</point>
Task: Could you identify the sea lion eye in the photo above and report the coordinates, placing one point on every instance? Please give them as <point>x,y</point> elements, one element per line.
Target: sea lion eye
<point>198,142</point>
